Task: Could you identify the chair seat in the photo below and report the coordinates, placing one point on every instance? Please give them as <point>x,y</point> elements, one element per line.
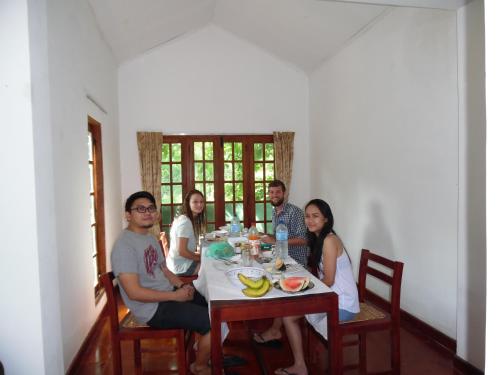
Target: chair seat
<point>367,312</point>
<point>130,321</point>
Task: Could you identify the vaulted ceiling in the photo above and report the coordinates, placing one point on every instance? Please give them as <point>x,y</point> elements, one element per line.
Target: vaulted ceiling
<point>301,32</point>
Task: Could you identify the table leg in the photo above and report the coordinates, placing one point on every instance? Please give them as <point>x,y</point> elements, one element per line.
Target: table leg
<point>216,341</point>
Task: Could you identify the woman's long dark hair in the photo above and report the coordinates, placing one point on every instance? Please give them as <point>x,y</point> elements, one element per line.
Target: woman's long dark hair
<point>316,242</point>
<point>200,221</point>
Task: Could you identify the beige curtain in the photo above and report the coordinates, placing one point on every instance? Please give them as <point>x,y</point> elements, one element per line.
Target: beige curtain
<point>150,161</point>
<point>283,157</point>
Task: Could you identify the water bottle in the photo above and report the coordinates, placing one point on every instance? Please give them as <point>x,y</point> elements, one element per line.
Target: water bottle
<point>253,237</point>
<point>234,228</point>
<point>282,241</point>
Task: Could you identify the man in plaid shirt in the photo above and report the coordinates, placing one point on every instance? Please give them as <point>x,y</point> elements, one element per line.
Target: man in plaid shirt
<point>293,217</point>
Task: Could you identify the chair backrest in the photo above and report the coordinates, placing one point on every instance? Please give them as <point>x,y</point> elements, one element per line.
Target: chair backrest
<point>393,280</point>
<point>111,294</point>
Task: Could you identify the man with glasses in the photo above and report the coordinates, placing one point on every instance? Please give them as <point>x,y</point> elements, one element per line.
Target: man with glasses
<point>156,296</point>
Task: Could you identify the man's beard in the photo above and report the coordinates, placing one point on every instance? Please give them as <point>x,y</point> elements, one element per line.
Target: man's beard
<point>278,203</point>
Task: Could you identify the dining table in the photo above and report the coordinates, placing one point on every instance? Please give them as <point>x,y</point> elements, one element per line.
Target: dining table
<point>227,302</point>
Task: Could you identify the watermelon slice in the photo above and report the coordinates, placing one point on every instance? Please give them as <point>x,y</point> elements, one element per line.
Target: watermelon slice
<point>294,284</point>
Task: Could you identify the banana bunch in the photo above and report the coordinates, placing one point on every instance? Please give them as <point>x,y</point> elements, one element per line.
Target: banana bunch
<point>255,287</point>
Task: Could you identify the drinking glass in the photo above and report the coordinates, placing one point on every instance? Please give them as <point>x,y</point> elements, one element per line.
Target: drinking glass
<point>246,258</point>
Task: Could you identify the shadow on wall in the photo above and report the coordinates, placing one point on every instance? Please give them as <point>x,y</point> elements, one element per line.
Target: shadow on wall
<point>377,236</point>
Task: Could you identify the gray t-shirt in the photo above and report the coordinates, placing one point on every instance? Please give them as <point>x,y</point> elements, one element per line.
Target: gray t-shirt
<point>140,254</point>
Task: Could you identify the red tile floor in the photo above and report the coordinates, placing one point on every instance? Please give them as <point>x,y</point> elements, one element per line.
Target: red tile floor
<point>418,354</point>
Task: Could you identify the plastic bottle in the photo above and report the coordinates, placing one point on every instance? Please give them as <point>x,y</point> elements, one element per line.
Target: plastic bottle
<point>234,228</point>
<point>253,237</point>
<point>282,241</point>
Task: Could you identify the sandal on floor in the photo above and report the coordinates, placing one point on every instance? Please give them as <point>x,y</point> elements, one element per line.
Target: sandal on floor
<point>273,343</point>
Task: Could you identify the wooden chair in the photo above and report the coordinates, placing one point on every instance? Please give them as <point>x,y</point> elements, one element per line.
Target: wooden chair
<point>128,329</point>
<point>372,318</point>
<point>163,241</point>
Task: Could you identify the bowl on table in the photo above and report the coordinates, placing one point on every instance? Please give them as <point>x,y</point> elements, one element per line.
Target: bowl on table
<point>251,272</point>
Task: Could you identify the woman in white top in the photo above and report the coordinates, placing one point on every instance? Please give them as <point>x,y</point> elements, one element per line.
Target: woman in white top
<point>330,260</point>
<point>183,258</point>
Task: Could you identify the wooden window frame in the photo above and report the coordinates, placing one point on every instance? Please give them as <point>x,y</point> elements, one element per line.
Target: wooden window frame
<point>187,142</point>
<point>94,128</point>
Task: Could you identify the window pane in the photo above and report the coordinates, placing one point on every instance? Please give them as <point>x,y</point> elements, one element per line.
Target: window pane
<point>210,227</point>
<point>269,171</point>
<point>176,173</point>
<point>228,171</point>
<point>269,211</point>
<point>238,151</point>
<point>198,171</point>
<point>166,215</point>
<point>94,261</point>
<point>94,241</point>
<point>90,147</point>
<point>165,173</point>
<point>260,227</point>
<point>198,150</point>
<point>91,176</point>
<point>269,227</point>
<point>238,191</point>
<point>239,211</point>
<point>209,191</point>
<point>228,151</point>
<point>269,151</point>
<point>177,210</point>
<point>228,192</point>
<point>210,211</point>
<point>238,171</point>
<point>259,192</point>
<point>177,193</point>
<point>199,186</point>
<point>257,151</point>
<point>259,211</point>
<point>92,210</point>
<point>165,152</point>
<point>259,171</point>
<point>165,194</point>
<point>229,210</point>
<point>209,151</point>
<point>176,152</point>
<point>209,171</point>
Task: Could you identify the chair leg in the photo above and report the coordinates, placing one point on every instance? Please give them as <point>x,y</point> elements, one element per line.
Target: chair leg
<point>395,350</point>
<point>116,352</point>
<point>362,353</point>
<point>181,354</point>
<point>137,357</point>
<point>338,349</point>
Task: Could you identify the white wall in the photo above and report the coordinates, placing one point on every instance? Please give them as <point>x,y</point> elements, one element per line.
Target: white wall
<point>492,30</point>
<point>211,82</point>
<point>21,328</point>
<point>384,143</point>
<point>471,297</point>
<point>80,63</point>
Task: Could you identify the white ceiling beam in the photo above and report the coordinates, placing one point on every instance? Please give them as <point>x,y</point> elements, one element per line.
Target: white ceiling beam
<point>433,4</point>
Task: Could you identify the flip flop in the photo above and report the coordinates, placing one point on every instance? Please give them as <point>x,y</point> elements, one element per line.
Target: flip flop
<point>274,343</point>
<point>283,371</point>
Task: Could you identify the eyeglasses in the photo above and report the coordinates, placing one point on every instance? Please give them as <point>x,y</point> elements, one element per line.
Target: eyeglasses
<point>143,209</point>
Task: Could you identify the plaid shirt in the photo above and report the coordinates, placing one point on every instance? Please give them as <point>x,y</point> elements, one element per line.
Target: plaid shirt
<point>293,217</point>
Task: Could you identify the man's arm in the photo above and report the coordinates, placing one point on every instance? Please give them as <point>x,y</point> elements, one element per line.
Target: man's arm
<point>134,290</point>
